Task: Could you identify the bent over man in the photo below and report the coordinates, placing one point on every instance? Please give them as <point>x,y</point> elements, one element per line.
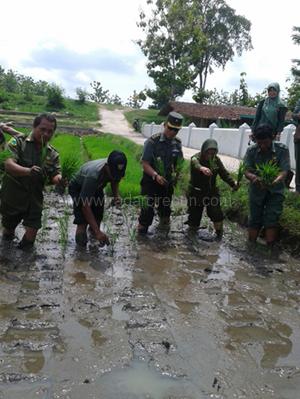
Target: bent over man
<point>86,190</point>
<point>32,162</point>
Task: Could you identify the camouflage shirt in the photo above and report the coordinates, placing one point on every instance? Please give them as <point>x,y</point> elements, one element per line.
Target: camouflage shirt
<point>20,191</point>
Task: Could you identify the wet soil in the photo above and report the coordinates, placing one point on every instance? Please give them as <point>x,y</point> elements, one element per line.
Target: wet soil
<point>169,315</point>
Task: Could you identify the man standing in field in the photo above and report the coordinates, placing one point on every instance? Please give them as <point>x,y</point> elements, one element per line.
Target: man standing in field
<point>33,161</point>
<point>160,160</point>
<point>86,190</point>
<point>267,163</point>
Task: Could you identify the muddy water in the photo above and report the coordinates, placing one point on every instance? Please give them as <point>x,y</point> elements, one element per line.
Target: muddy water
<point>167,316</point>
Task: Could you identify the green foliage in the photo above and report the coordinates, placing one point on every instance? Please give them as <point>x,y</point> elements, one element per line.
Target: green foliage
<point>100,147</point>
<point>99,95</point>
<point>136,99</point>
<point>144,116</point>
<point>55,99</point>
<point>241,171</point>
<point>185,41</point>
<point>294,89</point>
<point>268,171</point>
<point>115,99</point>
<point>69,165</point>
<point>82,95</point>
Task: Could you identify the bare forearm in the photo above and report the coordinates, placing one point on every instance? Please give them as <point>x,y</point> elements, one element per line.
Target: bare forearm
<point>148,169</point>
<point>90,218</point>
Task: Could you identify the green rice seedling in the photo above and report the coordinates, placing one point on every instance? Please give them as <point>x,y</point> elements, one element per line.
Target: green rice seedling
<point>69,166</point>
<point>268,171</point>
<point>212,162</point>
<point>63,227</point>
<point>159,166</point>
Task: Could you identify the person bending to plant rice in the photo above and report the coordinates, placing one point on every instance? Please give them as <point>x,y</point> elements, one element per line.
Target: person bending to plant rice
<point>31,163</point>
<point>86,190</point>
<point>203,191</point>
<point>266,165</point>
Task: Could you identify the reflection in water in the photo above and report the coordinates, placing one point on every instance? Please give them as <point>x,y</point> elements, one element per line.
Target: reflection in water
<point>33,361</point>
<point>141,381</point>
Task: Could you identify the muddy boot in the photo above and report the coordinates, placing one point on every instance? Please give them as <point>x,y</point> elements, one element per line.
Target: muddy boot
<point>25,244</point>
<point>81,239</point>
<point>218,231</point>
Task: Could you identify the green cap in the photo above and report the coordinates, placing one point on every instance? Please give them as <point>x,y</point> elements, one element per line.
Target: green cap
<point>174,120</point>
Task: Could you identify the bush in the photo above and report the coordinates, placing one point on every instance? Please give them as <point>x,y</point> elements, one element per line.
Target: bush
<point>55,99</point>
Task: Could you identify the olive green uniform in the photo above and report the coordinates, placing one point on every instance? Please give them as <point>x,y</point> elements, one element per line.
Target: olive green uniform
<point>163,155</point>
<point>22,196</point>
<point>203,191</point>
<point>266,203</point>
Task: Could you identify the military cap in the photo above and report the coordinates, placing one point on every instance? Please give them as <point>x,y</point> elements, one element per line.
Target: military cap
<point>174,120</point>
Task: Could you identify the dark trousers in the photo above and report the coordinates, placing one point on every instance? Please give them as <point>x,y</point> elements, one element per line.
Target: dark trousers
<point>96,203</point>
<point>297,157</point>
<point>196,205</point>
<point>155,196</point>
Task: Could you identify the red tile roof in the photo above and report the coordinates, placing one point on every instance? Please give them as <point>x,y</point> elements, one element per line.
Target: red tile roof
<point>203,111</point>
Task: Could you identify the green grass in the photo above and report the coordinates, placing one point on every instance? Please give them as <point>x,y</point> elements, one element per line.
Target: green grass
<point>101,146</point>
<point>144,115</point>
<point>74,113</point>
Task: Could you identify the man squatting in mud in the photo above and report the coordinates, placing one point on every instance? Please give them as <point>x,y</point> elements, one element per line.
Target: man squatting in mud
<point>203,191</point>
<point>32,162</point>
<point>160,160</point>
<point>86,190</point>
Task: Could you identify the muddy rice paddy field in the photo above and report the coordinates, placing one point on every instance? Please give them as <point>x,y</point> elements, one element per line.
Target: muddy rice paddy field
<point>166,316</point>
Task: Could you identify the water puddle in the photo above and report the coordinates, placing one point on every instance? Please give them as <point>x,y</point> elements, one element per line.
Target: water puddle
<point>139,380</point>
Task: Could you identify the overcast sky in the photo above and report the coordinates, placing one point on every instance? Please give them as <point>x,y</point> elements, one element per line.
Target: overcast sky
<point>74,43</point>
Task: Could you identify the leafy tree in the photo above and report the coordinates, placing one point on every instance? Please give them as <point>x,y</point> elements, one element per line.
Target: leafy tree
<point>296,62</point>
<point>186,39</point>
<point>136,99</point>
<point>115,99</point>
<point>100,95</point>
<point>55,98</point>
<point>165,47</point>
<point>81,94</point>
<point>294,89</point>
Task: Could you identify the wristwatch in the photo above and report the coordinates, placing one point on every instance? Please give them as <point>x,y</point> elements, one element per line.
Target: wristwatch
<point>154,175</point>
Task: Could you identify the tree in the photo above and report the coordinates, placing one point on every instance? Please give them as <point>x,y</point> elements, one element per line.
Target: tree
<point>294,89</point>
<point>136,99</point>
<point>296,62</point>
<point>55,98</point>
<point>165,46</point>
<point>81,94</point>
<point>100,95</point>
<point>115,99</point>
<point>186,39</point>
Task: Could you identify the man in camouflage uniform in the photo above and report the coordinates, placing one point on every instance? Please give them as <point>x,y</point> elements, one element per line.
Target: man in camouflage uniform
<point>265,202</point>
<point>160,160</point>
<point>203,191</point>
<point>32,162</point>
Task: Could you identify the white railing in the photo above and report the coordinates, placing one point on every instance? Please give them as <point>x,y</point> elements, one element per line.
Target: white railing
<point>231,142</point>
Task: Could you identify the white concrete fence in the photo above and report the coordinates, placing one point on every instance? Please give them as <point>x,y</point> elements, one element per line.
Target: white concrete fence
<point>231,142</point>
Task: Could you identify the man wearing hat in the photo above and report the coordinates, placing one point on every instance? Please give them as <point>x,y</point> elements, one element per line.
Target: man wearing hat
<point>161,158</point>
<point>265,201</point>
<point>86,190</point>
